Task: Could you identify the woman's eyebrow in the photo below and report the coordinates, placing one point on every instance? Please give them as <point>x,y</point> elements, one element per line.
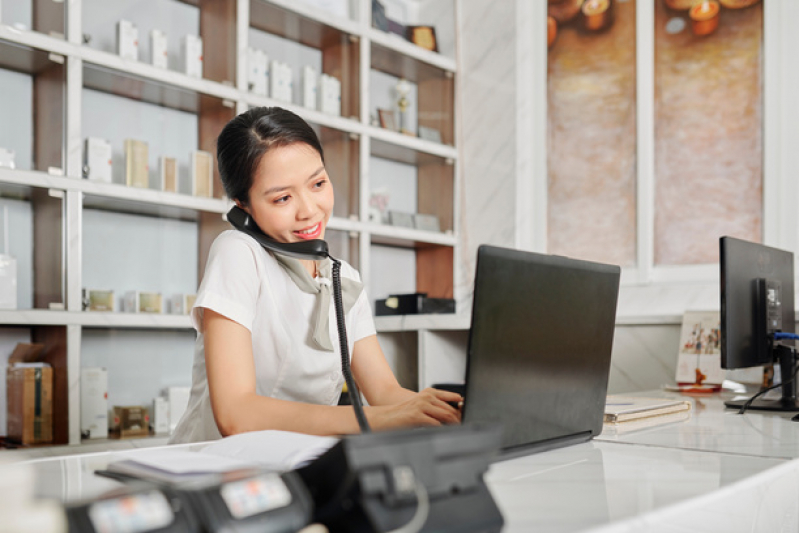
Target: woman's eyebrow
<point>279,188</point>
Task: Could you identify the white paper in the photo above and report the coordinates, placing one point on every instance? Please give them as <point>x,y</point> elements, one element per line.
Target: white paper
<point>278,451</point>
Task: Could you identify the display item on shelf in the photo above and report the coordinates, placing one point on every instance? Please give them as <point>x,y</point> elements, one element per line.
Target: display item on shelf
<point>281,83</point>
<point>8,268</point>
<point>29,390</point>
<point>178,399</point>
<point>130,421</point>
<point>127,40</point>
<point>329,95</point>
<point>202,174</point>
<point>192,47</point>
<point>158,49</point>
<point>309,87</point>
<point>137,170</point>
<point>169,174</point>
<point>98,300</point>
<point>94,403</point>
<point>97,160</point>
<point>257,71</point>
<point>159,422</point>
<point>143,302</point>
<point>7,158</point>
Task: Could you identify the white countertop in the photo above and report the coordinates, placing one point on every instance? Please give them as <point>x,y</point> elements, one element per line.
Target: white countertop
<point>717,471</point>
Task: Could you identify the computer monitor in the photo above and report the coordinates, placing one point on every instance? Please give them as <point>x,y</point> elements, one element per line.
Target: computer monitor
<point>757,301</point>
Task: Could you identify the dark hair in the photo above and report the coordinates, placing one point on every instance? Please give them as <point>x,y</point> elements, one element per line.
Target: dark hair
<point>245,139</point>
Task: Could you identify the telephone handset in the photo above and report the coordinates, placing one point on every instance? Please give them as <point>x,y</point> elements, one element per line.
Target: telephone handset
<point>311,250</point>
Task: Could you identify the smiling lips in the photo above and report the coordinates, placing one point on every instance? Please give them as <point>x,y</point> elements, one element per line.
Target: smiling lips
<point>310,233</point>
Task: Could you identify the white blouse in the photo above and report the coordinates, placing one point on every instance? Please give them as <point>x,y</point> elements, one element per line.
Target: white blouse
<point>246,284</point>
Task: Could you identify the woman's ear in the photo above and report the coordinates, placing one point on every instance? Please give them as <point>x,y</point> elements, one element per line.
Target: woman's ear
<point>242,206</point>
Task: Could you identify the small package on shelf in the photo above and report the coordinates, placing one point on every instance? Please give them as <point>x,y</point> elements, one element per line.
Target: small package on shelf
<point>127,40</point>
<point>130,421</point>
<point>329,95</point>
<point>178,399</point>
<point>202,174</point>
<point>159,423</point>
<point>143,302</point>
<point>8,269</point>
<point>137,170</point>
<point>98,300</point>
<point>158,48</point>
<point>97,162</point>
<point>257,71</point>
<point>7,158</point>
<point>310,84</point>
<point>192,47</point>
<point>94,403</point>
<point>280,79</point>
<point>29,391</point>
<point>169,174</point>
<point>181,304</point>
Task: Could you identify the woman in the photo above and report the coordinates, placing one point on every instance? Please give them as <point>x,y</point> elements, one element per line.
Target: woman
<point>267,348</point>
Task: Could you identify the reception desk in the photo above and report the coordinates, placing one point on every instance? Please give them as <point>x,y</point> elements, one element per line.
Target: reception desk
<point>716,471</point>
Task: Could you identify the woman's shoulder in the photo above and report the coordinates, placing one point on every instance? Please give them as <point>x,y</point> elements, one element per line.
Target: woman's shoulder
<point>234,241</point>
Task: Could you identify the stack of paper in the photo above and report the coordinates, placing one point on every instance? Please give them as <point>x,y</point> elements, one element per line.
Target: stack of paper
<point>620,409</point>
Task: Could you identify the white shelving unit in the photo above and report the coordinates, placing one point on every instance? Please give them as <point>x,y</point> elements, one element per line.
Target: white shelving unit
<point>62,69</point>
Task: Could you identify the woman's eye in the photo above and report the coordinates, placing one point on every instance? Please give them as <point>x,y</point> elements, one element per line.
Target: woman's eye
<point>282,200</point>
<point>319,184</point>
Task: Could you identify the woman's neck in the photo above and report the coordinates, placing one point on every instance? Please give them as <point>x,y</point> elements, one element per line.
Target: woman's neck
<point>310,266</point>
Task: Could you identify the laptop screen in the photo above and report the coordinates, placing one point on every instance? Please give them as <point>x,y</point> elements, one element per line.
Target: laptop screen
<point>539,346</point>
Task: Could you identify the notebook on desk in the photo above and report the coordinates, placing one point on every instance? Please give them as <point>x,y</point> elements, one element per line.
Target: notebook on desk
<point>539,347</point>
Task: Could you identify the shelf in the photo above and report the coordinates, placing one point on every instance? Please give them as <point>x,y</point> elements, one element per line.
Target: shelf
<point>394,55</point>
<point>346,124</point>
<point>299,22</point>
<point>36,317</point>
<point>406,149</point>
<point>394,324</point>
<point>32,39</point>
<point>396,236</point>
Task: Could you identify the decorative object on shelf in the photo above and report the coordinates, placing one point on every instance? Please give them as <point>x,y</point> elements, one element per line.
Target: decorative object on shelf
<point>143,302</point>
<point>423,37</point>
<point>7,158</point>
<point>97,161</point>
<point>699,357</point>
<point>387,119</point>
<point>202,174</point>
<point>596,14</point>
<point>329,95</point>
<point>403,88</point>
<point>310,86</point>
<point>192,48</point>
<point>426,222</point>
<point>429,134</point>
<point>137,171</point>
<point>29,391</point>
<point>169,174</point>
<point>94,403</point>
<point>127,40</point>
<point>8,269</point>
<point>98,300</point>
<point>181,304</point>
<point>396,28</point>
<point>378,204</point>
<point>413,304</point>
<point>281,83</point>
<point>158,49</point>
<point>159,422</point>
<point>130,421</point>
<point>398,218</point>
<point>379,20</point>
<point>704,16</point>
<point>257,71</point>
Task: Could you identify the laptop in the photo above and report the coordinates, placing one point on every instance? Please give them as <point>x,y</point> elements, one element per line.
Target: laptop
<point>539,347</point>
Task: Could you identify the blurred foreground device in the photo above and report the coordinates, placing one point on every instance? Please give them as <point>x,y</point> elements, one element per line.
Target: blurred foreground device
<point>418,480</point>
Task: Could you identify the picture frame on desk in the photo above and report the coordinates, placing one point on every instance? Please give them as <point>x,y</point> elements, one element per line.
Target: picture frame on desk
<point>423,37</point>
<point>387,119</point>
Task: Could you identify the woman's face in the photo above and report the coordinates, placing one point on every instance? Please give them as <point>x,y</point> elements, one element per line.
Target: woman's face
<point>291,197</point>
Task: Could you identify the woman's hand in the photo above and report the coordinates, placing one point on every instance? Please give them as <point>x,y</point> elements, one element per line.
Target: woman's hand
<point>426,408</point>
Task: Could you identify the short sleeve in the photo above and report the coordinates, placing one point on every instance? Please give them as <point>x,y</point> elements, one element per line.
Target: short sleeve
<point>362,325</point>
<point>231,283</point>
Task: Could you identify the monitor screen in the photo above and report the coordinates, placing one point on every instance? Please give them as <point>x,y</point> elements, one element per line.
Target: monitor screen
<point>756,299</point>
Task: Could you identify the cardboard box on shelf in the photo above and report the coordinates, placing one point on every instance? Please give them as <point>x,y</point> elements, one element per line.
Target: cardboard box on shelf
<point>29,388</point>
<point>130,421</point>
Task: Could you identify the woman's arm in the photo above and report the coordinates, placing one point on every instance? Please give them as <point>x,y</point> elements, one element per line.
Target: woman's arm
<point>237,408</point>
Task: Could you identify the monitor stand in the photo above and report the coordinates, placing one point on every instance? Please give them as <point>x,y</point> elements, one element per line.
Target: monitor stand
<point>786,356</point>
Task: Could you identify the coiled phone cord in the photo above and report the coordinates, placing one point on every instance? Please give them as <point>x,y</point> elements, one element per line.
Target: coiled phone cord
<point>355,395</point>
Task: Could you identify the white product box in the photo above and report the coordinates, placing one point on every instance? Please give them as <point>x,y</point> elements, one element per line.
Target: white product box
<point>280,78</point>
<point>181,304</point>
<point>94,403</point>
<point>310,83</point>
<point>158,48</point>
<point>257,71</point>
<point>143,302</point>
<point>178,398</point>
<point>160,418</point>
<point>329,95</point>
<point>127,40</point>
<point>192,48</point>
<point>97,162</point>
<point>8,281</point>
<point>7,158</point>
